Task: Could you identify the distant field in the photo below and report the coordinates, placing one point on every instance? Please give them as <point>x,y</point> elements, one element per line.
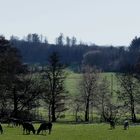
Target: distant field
<point>76,132</point>
<point>73,79</point>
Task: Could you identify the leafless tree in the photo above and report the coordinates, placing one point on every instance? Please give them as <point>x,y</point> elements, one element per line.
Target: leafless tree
<point>88,87</point>
<point>105,101</point>
<point>129,92</point>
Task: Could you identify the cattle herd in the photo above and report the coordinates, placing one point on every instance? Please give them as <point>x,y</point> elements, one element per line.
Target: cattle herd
<point>28,126</point>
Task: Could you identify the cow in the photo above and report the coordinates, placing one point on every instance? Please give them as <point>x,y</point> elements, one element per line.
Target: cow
<point>14,122</point>
<point>112,124</point>
<point>28,127</point>
<point>45,126</point>
<point>1,130</point>
<point>126,124</point>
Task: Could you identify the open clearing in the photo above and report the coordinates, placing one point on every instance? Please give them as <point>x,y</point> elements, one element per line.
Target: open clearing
<point>76,132</point>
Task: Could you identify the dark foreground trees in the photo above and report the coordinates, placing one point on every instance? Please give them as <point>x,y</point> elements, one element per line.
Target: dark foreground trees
<point>55,92</point>
<point>21,90</point>
<point>10,68</point>
<point>18,91</point>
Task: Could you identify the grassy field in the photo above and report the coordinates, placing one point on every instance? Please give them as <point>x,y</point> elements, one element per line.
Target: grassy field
<point>76,132</point>
<point>73,79</point>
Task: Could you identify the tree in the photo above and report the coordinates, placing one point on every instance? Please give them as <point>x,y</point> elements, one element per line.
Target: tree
<point>88,87</point>
<point>129,93</point>
<point>76,104</point>
<point>68,41</point>
<point>55,92</point>
<point>135,45</point>
<point>11,67</point>
<point>73,41</point>
<point>33,38</point>
<point>104,102</point>
<point>46,41</point>
<point>27,93</point>
<point>59,40</point>
<point>18,90</point>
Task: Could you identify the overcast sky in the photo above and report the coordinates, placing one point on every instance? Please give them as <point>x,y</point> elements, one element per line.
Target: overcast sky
<point>104,22</point>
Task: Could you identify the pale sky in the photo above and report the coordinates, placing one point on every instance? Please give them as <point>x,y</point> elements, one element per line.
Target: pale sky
<point>103,22</point>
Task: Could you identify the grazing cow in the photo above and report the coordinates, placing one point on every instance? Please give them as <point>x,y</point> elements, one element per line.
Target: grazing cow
<point>11,122</point>
<point>28,127</point>
<point>18,122</point>
<point>112,124</point>
<point>14,122</point>
<point>1,130</point>
<point>45,126</point>
<point>126,124</point>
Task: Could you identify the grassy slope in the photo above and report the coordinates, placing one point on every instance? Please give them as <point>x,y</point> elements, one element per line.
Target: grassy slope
<point>72,81</point>
<point>76,132</point>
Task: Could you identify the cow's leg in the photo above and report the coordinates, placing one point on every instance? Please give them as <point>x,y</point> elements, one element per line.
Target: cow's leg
<point>50,131</point>
<point>23,131</point>
<point>42,132</point>
<point>27,131</point>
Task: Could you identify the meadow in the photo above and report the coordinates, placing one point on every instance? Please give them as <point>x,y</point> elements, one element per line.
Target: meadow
<point>75,132</point>
<point>73,79</point>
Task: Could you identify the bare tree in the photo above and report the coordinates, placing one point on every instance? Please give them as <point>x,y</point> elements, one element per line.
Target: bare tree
<point>76,107</point>
<point>106,107</point>
<point>88,87</point>
<point>129,93</point>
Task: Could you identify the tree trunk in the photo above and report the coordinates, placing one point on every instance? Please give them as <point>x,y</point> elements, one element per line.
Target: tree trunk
<point>49,114</point>
<point>76,114</point>
<point>103,113</point>
<point>53,113</point>
<point>87,111</point>
<point>133,115</point>
<point>53,109</point>
<point>15,103</point>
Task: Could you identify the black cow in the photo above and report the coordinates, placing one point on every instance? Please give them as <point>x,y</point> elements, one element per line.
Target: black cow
<point>112,124</point>
<point>45,126</point>
<point>1,130</point>
<point>126,124</point>
<point>14,122</point>
<point>28,127</point>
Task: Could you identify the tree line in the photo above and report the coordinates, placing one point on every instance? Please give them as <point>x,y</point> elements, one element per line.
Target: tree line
<point>72,52</point>
<point>35,49</point>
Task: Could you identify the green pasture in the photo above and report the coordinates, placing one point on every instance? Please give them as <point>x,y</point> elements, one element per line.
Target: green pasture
<point>73,79</point>
<point>75,132</point>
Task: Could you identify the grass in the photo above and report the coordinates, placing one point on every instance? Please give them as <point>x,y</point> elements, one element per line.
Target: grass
<point>76,132</point>
<point>72,83</point>
<point>73,79</point>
